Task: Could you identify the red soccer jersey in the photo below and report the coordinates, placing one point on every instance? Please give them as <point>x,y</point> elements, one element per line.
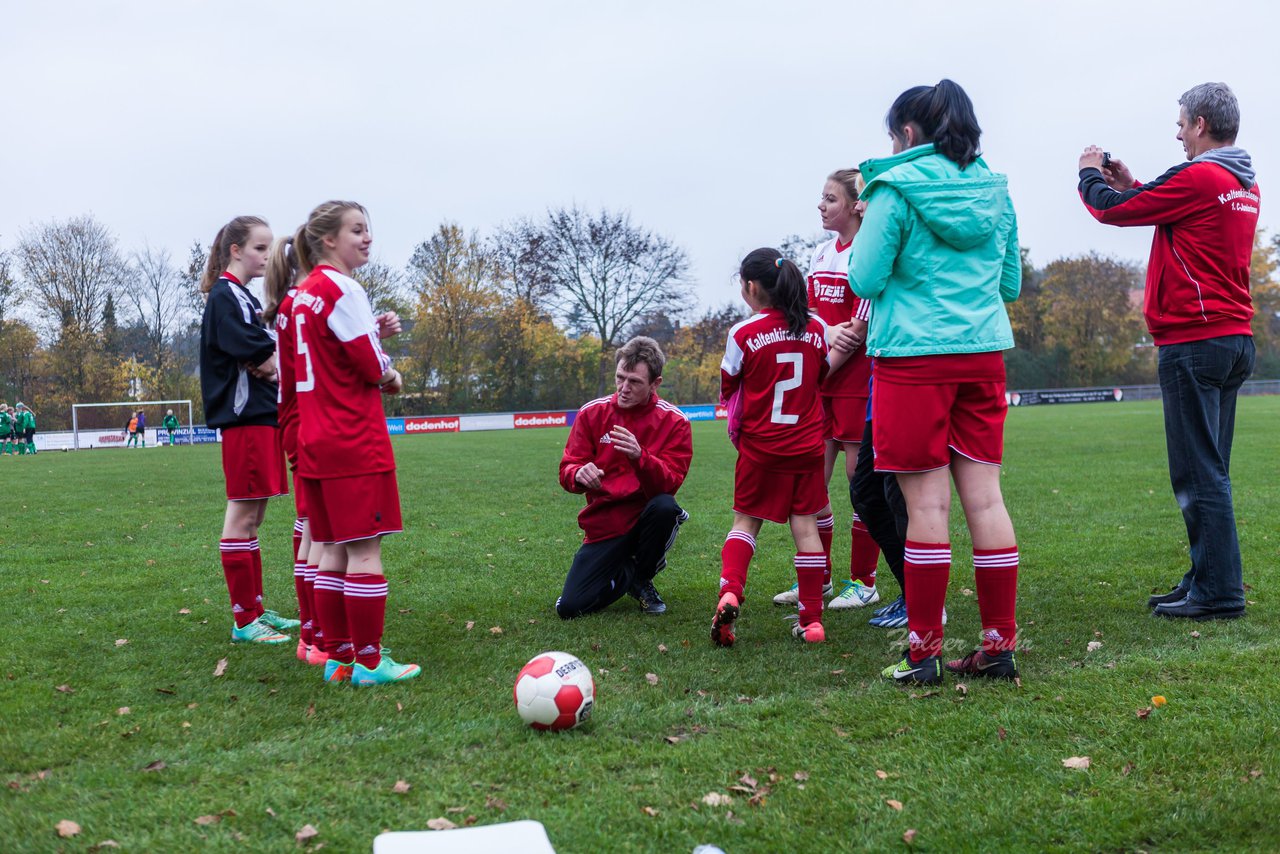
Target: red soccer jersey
<point>286,399</point>
<point>831,299</point>
<point>337,367</point>
<point>779,375</point>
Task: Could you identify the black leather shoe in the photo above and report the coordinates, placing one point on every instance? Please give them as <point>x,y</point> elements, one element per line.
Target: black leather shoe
<point>1188,610</point>
<point>647,595</point>
<point>1177,594</point>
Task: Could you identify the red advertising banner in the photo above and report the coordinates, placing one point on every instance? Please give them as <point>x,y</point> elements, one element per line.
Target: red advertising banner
<point>525,420</point>
<point>449,424</point>
<point>722,412</point>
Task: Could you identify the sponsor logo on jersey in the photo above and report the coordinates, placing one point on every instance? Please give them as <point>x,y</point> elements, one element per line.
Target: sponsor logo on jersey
<point>541,419</point>
<point>311,301</point>
<point>432,425</point>
<point>829,293</point>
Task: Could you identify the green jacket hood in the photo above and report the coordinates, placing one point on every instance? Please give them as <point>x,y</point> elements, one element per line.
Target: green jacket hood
<point>963,207</point>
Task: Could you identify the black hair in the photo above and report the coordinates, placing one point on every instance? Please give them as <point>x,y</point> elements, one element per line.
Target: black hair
<point>783,284</point>
<point>945,117</point>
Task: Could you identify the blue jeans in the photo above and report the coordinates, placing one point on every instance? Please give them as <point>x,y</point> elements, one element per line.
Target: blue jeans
<point>1199,381</point>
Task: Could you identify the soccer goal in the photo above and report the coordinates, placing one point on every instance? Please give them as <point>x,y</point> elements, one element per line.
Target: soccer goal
<point>106,425</point>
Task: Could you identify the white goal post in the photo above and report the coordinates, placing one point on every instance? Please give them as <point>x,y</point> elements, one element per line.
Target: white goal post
<point>115,429</point>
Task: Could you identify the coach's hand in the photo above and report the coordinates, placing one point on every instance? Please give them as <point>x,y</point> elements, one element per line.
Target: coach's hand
<point>388,324</point>
<point>625,442</point>
<point>589,476</point>
<point>391,382</point>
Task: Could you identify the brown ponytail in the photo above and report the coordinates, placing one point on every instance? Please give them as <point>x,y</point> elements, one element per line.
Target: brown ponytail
<point>282,274</point>
<point>234,233</point>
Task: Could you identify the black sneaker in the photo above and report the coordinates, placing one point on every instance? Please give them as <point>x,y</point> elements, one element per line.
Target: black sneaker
<point>1002,665</point>
<point>647,595</point>
<point>1177,594</point>
<point>927,671</point>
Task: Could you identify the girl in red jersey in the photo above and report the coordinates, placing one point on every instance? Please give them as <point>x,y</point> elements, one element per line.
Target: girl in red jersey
<point>238,382</point>
<point>774,363</point>
<point>279,289</point>
<point>844,392</point>
<point>347,478</point>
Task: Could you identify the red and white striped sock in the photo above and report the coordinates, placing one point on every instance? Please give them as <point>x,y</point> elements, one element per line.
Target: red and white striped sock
<point>927,567</point>
<point>299,525</point>
<point>735,557</point>
<point>237,568</point>
<point>256,551</point>
<point>995,574</point>
<point>864,554</point>
<point>809,566</point>
<point>317,633</point>
<point>826,533</point>
<point>331,608</point>
<point>366,603</point>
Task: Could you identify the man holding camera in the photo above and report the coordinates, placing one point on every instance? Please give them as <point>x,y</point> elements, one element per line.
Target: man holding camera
<point>1197,307</point>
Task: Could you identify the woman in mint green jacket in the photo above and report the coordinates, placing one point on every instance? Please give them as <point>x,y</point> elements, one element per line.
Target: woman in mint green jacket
<point>938,257</point>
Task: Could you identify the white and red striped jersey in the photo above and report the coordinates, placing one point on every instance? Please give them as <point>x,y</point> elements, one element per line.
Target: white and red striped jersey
<point>337,368</point>
<point>831,299</point>
<point>779,376</point>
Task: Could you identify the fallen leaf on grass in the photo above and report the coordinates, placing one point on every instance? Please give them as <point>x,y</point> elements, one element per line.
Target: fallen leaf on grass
<point>1158,701</point>
<point>166,691</point>
<point>493,803</point>
<point>158,765</point>
<point>206,820</point>
<point>455,810</point>
<point>399,707</point>
<point>716,799</point>
<point>1079,763</point>
<point>1143,713</point>
<point>441,823</point>
<point>271,812</point>
<point>184,611</point>
<point>965,591</point>
<point>106,843</point>
<point>67,828</point>
<point>1127,769</point>
<point>1093,645</point>
<point>121,641</point>
<point>221,668</point>
<point>123,710</point>
<point>400,787</point>
<point>673,739</point>
<point>910,835</point>
<point>882,775</point>
<point>649,811</point>
<point>962,689</point>
<point>495,630</point>
<point>471,624</point>
<point>307,832</point>
<point>1195,634</point>
<point>65,689</point>
<point>662,647</point>
<point>897,805</point>
<point>311,710</point>
<point>801,776</point>
<point>651,678</point>
<point>1255,773</point>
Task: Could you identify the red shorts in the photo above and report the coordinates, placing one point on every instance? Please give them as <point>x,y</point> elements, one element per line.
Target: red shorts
<point>846,418</point>
<point>253,463</point>
<point>918,425</point>
<point>777,496</point>
<point>345,509</point>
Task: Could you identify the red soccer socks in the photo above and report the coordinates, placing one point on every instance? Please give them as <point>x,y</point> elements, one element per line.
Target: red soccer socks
<point>331,610</point>
<point>995,574</point>
<point>927,567</point>
<point>864,554</point>
<point>735,557</point>
<point>826,528</point>
<point>238,569</point>
<point>366,604</point>
<point>809,569</point>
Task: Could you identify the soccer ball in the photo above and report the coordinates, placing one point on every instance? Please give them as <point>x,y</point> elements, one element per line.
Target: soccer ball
<point>554,691</point>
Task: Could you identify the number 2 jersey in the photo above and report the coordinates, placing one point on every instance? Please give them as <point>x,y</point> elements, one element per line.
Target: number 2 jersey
<point>778,377</point>
<point>831,299</point>
<point>337,365</point>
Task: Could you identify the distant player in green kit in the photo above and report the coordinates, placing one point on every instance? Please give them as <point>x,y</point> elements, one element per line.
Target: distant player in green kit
<point>170,423</point>
<point>25,430</point>
<point>6,430</point>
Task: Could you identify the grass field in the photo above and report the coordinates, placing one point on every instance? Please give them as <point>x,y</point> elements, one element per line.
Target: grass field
<point>106,547</point>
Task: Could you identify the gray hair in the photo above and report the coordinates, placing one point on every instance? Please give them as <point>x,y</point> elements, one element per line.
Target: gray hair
<point>1217,104</point>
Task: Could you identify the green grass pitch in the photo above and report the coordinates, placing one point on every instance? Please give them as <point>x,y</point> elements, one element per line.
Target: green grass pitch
<point>114,599</point>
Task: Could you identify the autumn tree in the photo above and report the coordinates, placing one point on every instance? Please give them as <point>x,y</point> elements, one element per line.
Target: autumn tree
<point>1087,312</point>
<point>451,278</point>
<point>8,286</point>
<point>71,267</point>
<point>1264,288</point>
<point>157,295</point>
<point>693,369</point>
<point>608,272</point>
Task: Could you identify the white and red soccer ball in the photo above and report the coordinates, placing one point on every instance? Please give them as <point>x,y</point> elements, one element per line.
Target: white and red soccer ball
<point>554,691</point>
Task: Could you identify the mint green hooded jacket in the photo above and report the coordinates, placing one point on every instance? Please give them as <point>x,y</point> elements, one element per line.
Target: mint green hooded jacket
<point>937,255</point>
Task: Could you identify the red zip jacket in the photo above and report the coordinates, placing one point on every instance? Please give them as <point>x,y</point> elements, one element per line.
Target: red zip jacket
<point>666,444</point>
<point>1198,274</point>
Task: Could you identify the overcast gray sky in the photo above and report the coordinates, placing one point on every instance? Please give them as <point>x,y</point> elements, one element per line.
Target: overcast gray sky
<point>714,123</point>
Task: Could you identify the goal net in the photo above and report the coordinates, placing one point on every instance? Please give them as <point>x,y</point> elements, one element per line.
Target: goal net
<point>106,425</point>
